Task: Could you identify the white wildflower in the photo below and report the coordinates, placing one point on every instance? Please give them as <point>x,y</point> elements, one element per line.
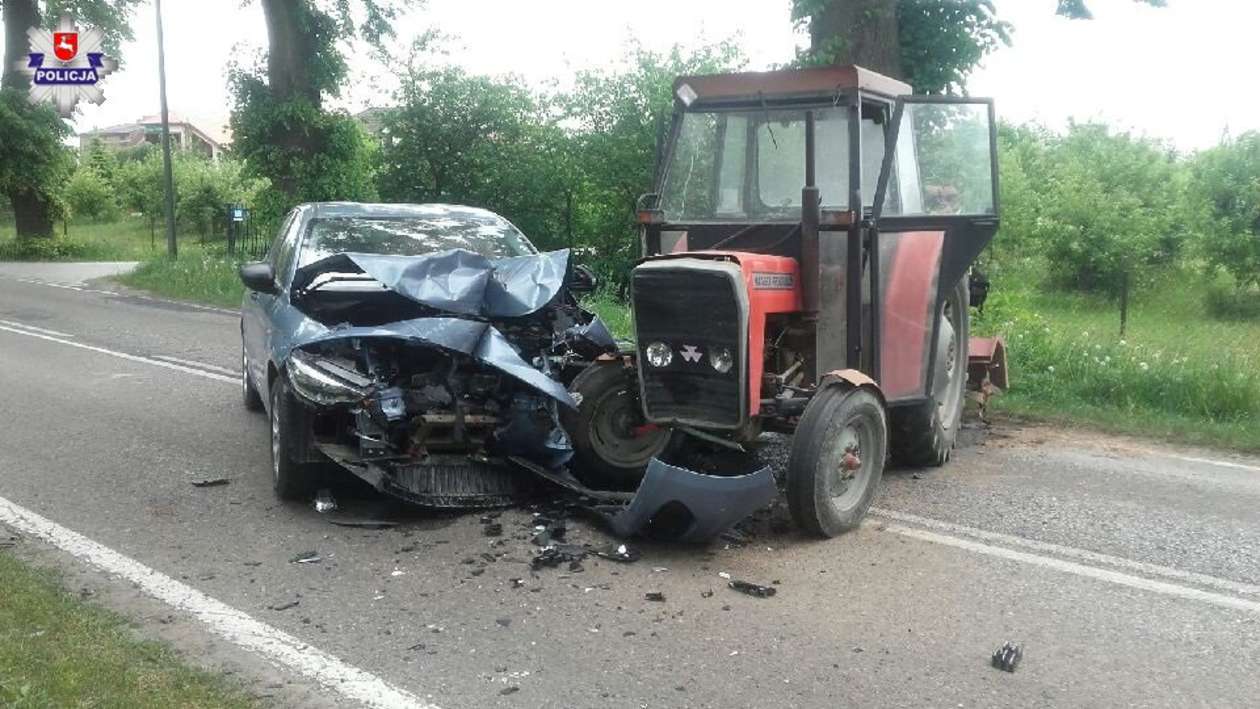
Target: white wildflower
<point>1144,366</point>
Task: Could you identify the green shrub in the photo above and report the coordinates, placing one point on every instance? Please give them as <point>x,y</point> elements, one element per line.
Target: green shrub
<point>51,249</point>
<point>88,195</point>
<point>1225,303</point>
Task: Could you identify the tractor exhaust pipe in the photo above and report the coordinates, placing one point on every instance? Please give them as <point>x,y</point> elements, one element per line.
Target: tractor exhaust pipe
<point>810,217</point>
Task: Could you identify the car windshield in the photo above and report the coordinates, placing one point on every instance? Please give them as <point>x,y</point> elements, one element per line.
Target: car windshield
<point>487,235</point>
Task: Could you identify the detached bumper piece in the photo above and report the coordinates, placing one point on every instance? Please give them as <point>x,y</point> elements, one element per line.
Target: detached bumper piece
<point>679,504</point>
<point>441,482</point>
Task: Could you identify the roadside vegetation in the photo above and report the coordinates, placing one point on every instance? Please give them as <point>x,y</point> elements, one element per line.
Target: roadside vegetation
<point>57,651</point>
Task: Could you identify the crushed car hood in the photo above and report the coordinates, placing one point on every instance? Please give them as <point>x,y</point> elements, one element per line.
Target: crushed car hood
<point>474,338</point>
<point>456,281</point>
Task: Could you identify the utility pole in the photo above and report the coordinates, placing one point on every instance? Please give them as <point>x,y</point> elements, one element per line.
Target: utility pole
<point>171,249</point>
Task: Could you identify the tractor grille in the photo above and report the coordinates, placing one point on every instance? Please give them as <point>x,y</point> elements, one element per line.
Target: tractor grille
<point>691,310</point>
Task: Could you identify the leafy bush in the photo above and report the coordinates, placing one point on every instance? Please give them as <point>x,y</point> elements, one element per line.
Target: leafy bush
<point>1232,303</point>
<point>88,195</point>
<point>1227,179</point>
<point>50,249</point>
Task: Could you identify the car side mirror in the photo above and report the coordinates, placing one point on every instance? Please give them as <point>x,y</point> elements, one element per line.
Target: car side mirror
<point>258,276</point>
<point>583,280</point>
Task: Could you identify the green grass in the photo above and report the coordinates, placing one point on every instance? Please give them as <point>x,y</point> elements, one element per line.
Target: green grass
<point>56,651</point>
<point>124,240</point>
<point>197,275</point>
<point>1177,373</point>
<point>614,313</point>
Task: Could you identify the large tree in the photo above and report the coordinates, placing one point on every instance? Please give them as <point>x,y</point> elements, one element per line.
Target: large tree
<point>279,122</point>
<point>932,44</point>
<point>33,161</point>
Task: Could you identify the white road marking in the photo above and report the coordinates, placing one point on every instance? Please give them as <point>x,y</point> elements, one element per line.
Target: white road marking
<point>1210,461</point>
<point>225,621</point>
<point>1167,572</point>
<point>123,355</point>
<point>46,331</point>
<point>201,365</point>
<point>1139,582</point>
<point>116,294</point>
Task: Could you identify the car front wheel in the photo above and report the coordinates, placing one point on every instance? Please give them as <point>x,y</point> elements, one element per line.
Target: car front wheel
<point>292,480</point>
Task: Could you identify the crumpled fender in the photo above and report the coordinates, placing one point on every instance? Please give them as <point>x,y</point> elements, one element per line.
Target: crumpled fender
<point>853,378</point>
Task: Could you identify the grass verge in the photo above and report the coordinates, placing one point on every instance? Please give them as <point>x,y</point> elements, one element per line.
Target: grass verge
<point>196,275</point>
<point>129,239</point>
<point>56,651</point>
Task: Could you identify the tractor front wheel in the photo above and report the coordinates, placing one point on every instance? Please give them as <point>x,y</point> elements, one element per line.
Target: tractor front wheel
<point>924,434</point>
<point>837,460</point>
<point>612,442</point>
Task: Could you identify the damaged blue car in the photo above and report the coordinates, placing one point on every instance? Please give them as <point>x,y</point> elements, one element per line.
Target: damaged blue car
<point>419,347</point>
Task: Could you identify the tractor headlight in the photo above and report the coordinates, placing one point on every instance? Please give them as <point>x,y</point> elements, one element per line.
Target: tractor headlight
<point>659,354</point>
<point>721,359</point>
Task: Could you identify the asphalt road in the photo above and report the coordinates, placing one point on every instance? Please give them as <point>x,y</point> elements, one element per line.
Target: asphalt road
<point>1129,572</point>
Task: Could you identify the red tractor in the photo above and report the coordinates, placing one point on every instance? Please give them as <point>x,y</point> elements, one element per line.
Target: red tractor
<point>805,271</point>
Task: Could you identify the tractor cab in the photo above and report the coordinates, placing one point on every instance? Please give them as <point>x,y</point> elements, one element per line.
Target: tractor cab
<point>806,252</point>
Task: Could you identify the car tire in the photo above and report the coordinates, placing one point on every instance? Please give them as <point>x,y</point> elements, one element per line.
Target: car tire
<point>612,443</point>
<point>825,496</point>
<point>290,479</point>
<point>924,434</point>
<point>249,393</point>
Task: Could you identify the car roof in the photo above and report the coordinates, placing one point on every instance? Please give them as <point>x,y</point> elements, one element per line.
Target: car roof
<point>377,209</point>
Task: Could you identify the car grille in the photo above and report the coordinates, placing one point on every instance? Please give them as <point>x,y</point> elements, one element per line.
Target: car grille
<point>691,310</point>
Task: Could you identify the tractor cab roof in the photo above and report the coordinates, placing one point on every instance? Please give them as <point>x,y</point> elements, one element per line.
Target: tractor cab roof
<point>786,84</point>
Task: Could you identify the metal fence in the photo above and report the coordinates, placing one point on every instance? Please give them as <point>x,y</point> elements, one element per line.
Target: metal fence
<point>247,237</point>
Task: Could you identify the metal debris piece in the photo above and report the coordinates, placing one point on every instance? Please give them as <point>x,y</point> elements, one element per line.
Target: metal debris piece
<point>324,501</point>
<point>306,557</point>
<point>654,596</point>
<point>284,606</point>
<point>363,523</point>
<point>1007,657</point>
<point>503,622</point>
<point>707,594</point>
<point>517,583</point>
<point>509,690</point>
<point>752,589</point>
<point>210,482</point>
<point>618,552</point>
<point>552,556</point>
<point>493,529</point>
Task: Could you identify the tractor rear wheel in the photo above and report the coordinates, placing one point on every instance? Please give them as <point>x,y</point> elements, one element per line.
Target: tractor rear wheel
<point>612,442</point>
<point>837,460</point>
<point>924,434</point>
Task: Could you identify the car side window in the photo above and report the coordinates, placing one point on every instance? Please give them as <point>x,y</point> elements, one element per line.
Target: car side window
<point>285,249</point>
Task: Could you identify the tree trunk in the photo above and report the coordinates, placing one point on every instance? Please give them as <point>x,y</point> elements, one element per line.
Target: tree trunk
<point>860,32</point>
<point>32,208</point>
<point>290,47</point>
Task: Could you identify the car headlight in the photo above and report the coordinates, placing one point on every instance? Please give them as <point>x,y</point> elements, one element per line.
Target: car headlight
<point>659,354</point>
<point>318,386</point>
<point>721,359</point>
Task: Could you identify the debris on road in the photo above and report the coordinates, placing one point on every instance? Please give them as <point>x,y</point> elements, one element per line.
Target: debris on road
<point>493,529</point>
<point>618,552</point>
<point>284,606</point>
<point>324,501</point>
<point>509,690</point>
<point>306,557</point>
<point>517,582</point>
<point>654,596</point>
<point>1007,657</point>
<point>363,523</point>
<point>752,589</point>
<point>210,482</point>
<point>552,556</point>
<point>9,540</point>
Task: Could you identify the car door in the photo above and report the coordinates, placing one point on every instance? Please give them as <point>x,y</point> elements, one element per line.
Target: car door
<point>257,308</point>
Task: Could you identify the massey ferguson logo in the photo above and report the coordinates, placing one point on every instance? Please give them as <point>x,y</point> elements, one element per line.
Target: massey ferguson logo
<point>773,281</point>
<point>690,353</point>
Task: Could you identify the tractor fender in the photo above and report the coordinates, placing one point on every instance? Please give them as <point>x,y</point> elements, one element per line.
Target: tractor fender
<point>852,378</point>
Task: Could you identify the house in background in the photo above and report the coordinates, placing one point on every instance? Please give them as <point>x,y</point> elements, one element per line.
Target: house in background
<point>184,135</point>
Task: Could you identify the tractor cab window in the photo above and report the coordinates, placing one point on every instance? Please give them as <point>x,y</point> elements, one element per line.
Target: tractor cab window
<point>944,161</point>
<point>749,165</point>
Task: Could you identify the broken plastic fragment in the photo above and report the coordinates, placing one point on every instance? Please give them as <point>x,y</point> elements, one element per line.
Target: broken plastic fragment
<point>283,606</point>
<point>324,501</point>
<point>618,552</point>
<point>752,589</point>
<point>364,523</point>
<point>212,482</point>
<point>654,596</point>
<point>306,557</point>
<point>1007,657</point>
